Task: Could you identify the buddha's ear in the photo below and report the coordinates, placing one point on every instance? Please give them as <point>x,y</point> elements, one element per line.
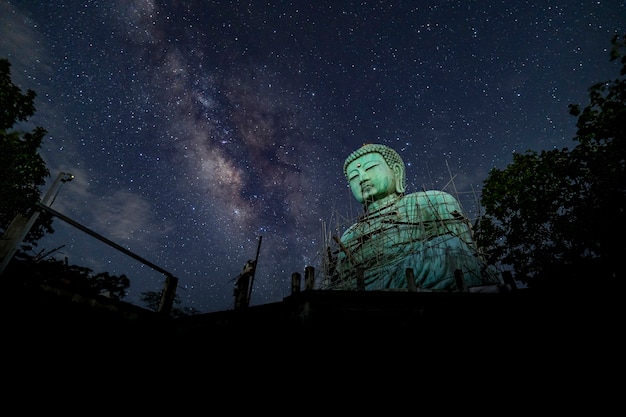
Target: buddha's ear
<point>398,173</point>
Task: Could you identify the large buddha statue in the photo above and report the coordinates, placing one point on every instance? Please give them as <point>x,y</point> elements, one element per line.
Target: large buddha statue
<point>425,232</point>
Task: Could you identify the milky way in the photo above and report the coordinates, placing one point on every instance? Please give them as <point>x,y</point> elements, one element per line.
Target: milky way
<point>196,127</point>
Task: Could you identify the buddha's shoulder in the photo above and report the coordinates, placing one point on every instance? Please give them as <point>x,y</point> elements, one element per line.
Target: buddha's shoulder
<point>429,196</point>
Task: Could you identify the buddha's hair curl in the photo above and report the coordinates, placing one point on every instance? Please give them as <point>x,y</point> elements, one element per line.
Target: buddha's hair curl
<point>390,156</point>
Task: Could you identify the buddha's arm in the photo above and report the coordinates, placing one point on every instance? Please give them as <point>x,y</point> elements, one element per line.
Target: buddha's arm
<point>447,211</point>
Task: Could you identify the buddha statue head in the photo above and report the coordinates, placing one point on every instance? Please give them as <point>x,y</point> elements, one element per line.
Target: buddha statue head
<point>375,174</point>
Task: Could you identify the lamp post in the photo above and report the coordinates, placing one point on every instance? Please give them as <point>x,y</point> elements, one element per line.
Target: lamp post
<point>21,225</point>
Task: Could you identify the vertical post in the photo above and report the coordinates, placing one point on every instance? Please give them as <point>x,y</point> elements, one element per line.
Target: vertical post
<point>256,260</point>
<point>460,282</point>
<point>295,283</point>
<point>167,297</point>
<point>507,277</point>
<point>410,280</point>
<point>20,226</point>
<point>360,279</point>
<point>241,291</point>
<point>309,278</point>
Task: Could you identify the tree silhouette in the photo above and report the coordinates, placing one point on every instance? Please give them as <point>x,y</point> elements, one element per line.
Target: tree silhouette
<point>556,217</point>
<point>22,169</point>
<point>22,173</point>
<point>33,272</point>
<point>152,299</point>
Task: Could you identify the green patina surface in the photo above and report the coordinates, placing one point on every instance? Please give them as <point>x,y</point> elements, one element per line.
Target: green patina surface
<point>424,231</point>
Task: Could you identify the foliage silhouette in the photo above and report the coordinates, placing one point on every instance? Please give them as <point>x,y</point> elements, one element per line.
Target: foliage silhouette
<point>556,217</point>
<point>33,272</point>
<point>152,299</point>
<point>22,173</point>
<point>22,169</point>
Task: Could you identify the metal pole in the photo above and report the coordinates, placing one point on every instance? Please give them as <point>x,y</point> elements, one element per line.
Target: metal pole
<point>171,281</point>
<point>258,249</point>
<point>103,239</point>
<point>20,226</point>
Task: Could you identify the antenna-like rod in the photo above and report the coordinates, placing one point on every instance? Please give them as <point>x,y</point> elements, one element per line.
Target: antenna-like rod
<point>258,249</point>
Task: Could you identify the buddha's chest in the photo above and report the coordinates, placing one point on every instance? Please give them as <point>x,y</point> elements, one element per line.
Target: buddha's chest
<point>389,230</point>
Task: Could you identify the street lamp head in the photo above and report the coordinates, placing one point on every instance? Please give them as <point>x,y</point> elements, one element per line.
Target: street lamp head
<point>66,177</point>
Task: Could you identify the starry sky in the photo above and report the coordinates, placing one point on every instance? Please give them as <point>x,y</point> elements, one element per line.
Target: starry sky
<point>196,128</point>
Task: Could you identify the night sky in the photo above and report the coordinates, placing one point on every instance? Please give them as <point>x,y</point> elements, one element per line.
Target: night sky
<point>194,127</point>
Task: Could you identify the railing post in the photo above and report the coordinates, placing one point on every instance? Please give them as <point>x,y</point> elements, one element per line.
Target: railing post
<point>21,225</point>
<point>460,282</point>
<point>168,294</point>
<point>309,278</point>
<point>410,280</point>
<point>295,283</point>
<point>507,277</point>
<point>360,279</point>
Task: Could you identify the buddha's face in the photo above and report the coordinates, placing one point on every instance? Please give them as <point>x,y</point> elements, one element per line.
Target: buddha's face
<point>370,178</point>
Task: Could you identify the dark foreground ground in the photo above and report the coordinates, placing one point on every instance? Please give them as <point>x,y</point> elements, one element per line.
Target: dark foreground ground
<point>322,321</point>
<point>315,348</point>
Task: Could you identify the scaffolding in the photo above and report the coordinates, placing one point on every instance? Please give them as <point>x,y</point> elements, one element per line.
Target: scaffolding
<point>422,241</point>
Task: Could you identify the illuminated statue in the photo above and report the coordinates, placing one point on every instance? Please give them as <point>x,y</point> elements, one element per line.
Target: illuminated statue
<point>425,232</point>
